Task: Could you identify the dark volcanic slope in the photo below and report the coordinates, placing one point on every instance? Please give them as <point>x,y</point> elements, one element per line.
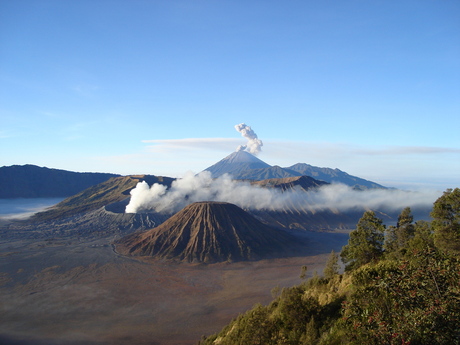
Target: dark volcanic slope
<point>304,183</point>
<point>96,224</point>
<point>210,232</point>
<point>266,173</point>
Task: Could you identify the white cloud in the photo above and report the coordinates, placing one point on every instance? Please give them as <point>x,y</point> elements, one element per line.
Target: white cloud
<point>168,145</point>
<point>293,148</point>
<point>203,187</point>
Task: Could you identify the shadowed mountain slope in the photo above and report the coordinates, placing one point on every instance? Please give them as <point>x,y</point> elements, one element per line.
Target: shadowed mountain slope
<point>267,173</point>
<point>210,232</point>
<point>31,181</point>
<point>297,182</point>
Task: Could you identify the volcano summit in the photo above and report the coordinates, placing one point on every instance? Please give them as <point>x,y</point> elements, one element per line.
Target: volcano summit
<point>237,163</point>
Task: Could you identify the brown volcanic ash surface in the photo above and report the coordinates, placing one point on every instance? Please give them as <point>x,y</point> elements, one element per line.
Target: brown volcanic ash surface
<point>210,232</point>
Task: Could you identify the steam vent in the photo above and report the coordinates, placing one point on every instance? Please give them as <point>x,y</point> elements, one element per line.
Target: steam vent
<point>210,232</point>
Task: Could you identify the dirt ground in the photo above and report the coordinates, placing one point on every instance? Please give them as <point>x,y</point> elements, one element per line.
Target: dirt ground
<point>73,292</point>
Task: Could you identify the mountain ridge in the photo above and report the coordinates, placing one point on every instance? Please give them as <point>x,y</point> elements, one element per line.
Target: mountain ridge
<point>241,166</point>
<point>333,176</point>
<point>32,181</point>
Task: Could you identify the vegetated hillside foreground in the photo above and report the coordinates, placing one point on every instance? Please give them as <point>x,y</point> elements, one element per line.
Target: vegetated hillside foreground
<point>401,286</point>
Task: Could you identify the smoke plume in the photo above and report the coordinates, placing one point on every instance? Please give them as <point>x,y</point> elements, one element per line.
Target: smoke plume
<point>202,187</point>
<point>254,144</point>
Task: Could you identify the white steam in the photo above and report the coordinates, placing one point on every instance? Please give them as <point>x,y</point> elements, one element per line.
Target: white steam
<point>254,144</point>
<point>194,188</point>
<point>202,187</point>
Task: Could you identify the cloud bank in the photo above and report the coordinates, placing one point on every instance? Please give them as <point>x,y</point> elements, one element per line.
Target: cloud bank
<point>202,187</point>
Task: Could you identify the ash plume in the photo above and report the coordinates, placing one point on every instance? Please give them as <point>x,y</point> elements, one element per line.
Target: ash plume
<point>254,144</point>
<point>202,187</point>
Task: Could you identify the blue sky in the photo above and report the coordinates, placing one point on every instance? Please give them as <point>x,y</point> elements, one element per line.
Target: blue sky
<point>156,87</point>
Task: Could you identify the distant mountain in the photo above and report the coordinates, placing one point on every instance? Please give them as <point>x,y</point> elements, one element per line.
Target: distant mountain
<point>210,232</point>
<point>244,166</point>
<point>31,181</point>
<point>333,176</point>
<point>236,164</point>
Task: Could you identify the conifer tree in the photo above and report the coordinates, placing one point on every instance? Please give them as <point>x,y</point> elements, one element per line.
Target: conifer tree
<point>397,238</point>
<point>423,237</point>
<point>332,266</point>
<point>365,243</point>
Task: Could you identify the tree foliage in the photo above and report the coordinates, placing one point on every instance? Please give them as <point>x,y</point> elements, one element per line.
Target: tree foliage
<point>397,237</point>
<point>446,221</point>
<point>365,243</point>
<point>332,266</point>
<point>423,237</point>
<point>406,302</point>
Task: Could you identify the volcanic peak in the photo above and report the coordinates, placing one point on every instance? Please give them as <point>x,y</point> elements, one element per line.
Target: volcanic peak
<point>243,157</point>
<point>236,163</point>
<point>210,232</point>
